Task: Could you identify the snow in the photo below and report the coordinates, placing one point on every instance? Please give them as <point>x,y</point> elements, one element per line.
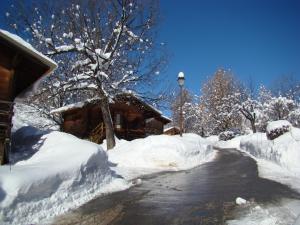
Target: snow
<point>28,48</point>
<point>25,115</point>
<point>240,201</point>
<point>170,128</point>
<point>212,139</point>
<point>159,153</point>
<point>76,105</point>
<point>180,75</point>
<point>92,100</point>
<point>277,160</point>
<point>284,213</point>
<point>35,190</point>
<point>64,48</point>
<point>283,150</point>
<point>277,125</point>
<point>233,143</point>
<point>69,35</point>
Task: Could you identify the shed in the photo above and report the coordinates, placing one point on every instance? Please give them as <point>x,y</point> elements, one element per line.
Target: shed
<point>172,130</point>
<point>20,66</point>
<point>132,118</point>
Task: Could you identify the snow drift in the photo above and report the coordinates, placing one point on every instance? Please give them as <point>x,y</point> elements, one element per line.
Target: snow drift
<point>63,174</point>
<point>161,153</point>
<point>284,150</point>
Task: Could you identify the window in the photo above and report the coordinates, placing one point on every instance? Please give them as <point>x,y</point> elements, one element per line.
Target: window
<point>118,121</point>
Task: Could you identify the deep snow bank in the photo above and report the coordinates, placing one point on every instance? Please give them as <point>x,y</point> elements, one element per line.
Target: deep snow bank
<point>63,174</point>
<point>229,144</point>
<point>160,153</point>
<point>284,150</point>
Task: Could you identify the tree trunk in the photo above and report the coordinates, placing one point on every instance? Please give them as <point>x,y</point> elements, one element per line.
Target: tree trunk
<point>253,126</point>
<point>109,129</point>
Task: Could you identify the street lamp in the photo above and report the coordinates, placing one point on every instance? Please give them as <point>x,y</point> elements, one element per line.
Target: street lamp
<point>180,80</point>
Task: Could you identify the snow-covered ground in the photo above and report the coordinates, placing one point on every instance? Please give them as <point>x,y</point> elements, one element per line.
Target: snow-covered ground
<point>53,172</point>
<point>233,143</point>
<point>285,212</point>
<point>277,160</point>
<point>160,153</point>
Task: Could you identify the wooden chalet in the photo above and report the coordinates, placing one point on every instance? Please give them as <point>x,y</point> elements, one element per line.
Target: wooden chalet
<point>20,66</point>
<point>132,118</point>
<point>172,130</point>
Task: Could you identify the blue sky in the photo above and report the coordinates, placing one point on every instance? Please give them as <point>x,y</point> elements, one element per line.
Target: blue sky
<point>254,38</point>
<point>257,38</point>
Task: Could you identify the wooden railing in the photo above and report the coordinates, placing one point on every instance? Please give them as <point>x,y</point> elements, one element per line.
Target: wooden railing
<point>98,134</point>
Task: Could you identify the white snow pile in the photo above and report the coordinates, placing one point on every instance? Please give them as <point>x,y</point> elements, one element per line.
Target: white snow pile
<point>284,150</point>
<point>240,201</point>
<point>160,153</point>
<point>229,144</point>
<point>283,213</point>
<point>65,173</point>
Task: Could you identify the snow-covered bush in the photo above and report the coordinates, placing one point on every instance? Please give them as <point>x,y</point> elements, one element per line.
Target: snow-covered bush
<point>277,128</point>
<point>230,134</point>
<point>226,135</point>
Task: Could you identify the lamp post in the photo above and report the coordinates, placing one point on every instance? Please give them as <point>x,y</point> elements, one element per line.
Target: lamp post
<point>180,80</point>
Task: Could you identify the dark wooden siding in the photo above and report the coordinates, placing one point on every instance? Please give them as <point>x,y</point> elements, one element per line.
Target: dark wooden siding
<point>154,126</point>
<point>129,121</point>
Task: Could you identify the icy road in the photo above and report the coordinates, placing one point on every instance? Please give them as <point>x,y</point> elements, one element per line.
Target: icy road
<point>203,195</point>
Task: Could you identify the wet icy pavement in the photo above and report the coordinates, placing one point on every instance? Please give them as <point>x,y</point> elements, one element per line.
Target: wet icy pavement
<point>203,195</point>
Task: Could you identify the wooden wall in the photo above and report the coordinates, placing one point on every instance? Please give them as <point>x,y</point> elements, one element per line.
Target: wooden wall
<point>18,70</point>
<point>154,126</point>
<point>172,131</point>
<point>81,122</point>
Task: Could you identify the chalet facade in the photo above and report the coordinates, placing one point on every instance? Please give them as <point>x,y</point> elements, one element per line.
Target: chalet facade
<point>132,118</point>
<point>172,130</point>
<point>20,66</point>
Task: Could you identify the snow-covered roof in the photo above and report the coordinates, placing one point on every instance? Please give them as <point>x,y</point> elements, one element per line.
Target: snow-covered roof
<point>144,103</point>
<point>166,118</point>
<point>26,47</point>
<point>76,105</point>
<point>81,104</point>
<point>170,128</point>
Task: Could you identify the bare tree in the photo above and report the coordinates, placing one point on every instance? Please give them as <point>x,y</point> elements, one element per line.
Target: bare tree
<point>287,85</point>
<point>109,45</point>
<point>248,109</point>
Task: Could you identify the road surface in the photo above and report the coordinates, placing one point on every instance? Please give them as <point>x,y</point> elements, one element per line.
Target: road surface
<point>203,195</point>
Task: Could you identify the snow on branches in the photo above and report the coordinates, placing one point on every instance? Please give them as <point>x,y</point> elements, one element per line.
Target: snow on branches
<point>105,41</point>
